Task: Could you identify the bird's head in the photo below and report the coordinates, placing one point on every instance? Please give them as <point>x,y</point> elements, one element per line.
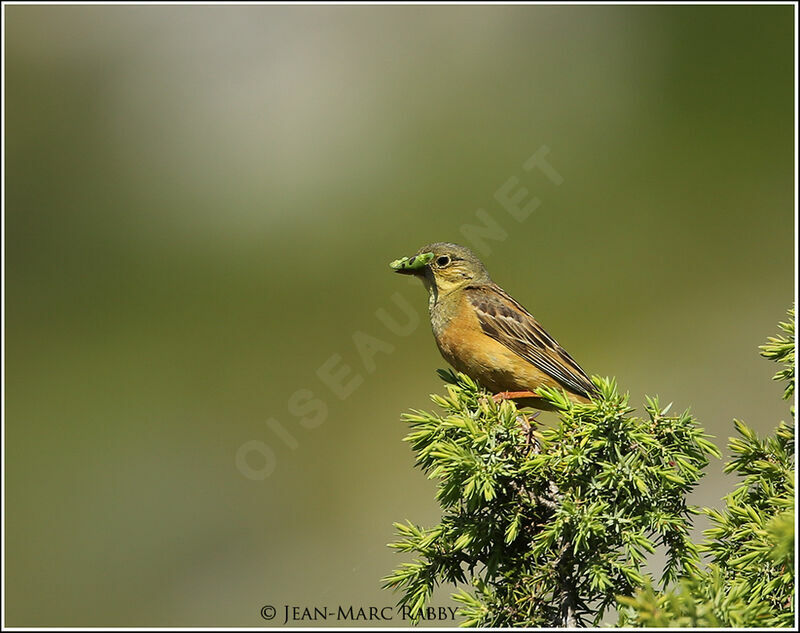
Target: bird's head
<point>443,267</point>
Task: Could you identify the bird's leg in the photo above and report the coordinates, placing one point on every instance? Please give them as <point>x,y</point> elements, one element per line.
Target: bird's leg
<point>511,395</point>
<point>531,443</point>
<point>524,420</point>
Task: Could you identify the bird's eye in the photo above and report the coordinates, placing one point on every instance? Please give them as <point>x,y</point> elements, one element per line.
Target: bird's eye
<point>443,261</point>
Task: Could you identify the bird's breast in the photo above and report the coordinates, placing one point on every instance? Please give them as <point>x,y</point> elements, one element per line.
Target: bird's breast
<point>463,343</point>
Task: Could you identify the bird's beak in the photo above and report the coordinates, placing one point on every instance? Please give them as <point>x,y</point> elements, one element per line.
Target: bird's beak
<point>411,265</point>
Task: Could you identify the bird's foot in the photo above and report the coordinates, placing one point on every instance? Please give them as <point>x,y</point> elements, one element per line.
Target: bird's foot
<point>512,395</point>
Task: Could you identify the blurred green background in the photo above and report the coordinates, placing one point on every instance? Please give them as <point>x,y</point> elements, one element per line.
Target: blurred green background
<point>201,202</point>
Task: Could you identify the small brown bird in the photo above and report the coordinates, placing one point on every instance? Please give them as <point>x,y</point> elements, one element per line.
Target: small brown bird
<point>481,331</point>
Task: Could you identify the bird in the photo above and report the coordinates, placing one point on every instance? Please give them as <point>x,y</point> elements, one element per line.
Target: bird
<point>484,333</point>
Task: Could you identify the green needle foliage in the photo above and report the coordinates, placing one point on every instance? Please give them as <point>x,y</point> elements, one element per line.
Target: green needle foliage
<point>781,349</point>
<point>750,579</point>
<point>552,525</point>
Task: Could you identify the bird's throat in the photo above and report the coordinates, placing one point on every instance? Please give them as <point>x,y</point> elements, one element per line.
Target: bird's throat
<point>433,292</point>
<point>443,308</point>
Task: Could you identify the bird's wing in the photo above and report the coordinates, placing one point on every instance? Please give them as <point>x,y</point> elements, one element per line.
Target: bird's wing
<point>509,323</point>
